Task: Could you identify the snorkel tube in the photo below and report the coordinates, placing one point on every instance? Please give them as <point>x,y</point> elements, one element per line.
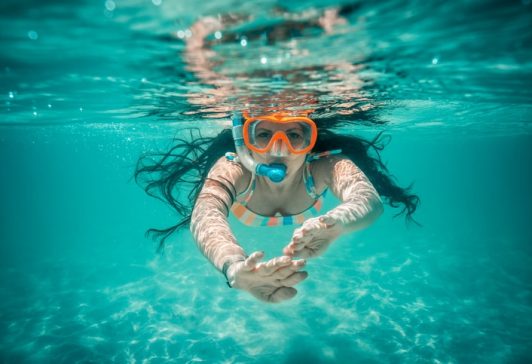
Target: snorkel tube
<point>276,172</point>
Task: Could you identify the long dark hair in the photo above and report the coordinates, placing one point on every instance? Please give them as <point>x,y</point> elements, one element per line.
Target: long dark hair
<point>176,176</point>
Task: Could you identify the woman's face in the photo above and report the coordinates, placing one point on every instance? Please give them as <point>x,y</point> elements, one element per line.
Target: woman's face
<point>295,133</point>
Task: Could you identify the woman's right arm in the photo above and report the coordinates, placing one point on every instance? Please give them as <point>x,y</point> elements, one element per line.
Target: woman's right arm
<point>209,224</point>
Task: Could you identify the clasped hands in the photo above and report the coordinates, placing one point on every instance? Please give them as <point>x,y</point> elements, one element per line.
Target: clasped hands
<point>273,280</point>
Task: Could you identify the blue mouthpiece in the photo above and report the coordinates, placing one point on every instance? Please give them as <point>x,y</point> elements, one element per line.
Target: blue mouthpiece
<point>275,171</point>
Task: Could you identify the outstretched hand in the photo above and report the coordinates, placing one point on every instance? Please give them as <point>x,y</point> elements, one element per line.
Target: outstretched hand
<point>270,281</point>
<point>313,237</point>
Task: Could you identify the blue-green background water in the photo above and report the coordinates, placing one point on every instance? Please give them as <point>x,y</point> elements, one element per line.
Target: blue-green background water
<point>86,87</point>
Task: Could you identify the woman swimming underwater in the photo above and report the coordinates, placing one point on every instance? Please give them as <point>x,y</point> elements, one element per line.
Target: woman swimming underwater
<point>275,179</point>
<point>276,172</point>
<point>273,167</point>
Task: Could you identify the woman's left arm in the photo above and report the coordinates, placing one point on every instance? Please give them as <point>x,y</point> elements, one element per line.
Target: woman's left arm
<point>361,204</point>
<point>360,207</point>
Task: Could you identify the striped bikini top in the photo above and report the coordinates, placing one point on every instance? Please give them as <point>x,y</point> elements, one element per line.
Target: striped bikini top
<point>248,217</point>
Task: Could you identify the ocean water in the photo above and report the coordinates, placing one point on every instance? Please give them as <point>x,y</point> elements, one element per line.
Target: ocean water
<point>87,87</point>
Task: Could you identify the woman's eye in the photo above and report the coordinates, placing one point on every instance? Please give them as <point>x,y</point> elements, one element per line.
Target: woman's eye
<point>294,136</point>
<point>263,135</point>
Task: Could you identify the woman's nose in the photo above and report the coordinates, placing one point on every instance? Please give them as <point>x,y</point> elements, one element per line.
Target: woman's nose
<point>279,149</point>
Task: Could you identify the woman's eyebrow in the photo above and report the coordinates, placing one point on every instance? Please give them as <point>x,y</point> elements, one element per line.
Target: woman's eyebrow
<point>298,128</point>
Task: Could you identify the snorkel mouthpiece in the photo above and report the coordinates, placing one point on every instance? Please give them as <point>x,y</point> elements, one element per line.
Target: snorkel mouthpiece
<point>276,172</point>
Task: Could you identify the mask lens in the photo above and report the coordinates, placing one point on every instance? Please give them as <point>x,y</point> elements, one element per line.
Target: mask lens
<point>298,133</point>
<point>261,133</point>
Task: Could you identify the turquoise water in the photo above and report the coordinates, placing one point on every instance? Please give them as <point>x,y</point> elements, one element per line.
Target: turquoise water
<point>86,88</point>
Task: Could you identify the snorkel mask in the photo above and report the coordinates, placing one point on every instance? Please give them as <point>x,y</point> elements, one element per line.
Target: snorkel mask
<point>275,134</point>
<point>279,134</point>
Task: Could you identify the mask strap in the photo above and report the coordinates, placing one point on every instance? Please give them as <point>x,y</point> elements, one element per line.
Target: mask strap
<point>316,156</point>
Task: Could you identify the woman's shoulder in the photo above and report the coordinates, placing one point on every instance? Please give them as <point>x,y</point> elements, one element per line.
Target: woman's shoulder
<point>225,170</point>
<point>323,168</point>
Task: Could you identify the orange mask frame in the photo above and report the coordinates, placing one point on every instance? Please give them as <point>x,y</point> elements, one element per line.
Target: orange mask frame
<point>279,118</point>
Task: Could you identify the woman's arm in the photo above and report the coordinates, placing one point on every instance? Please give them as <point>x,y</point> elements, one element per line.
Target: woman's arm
<point>361,204</point>
<point>209,225</point>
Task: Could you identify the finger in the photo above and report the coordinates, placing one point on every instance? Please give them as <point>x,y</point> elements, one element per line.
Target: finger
<point>297,236</point>
<point>305,236</point>
<point>309,241</point>
<point>287,251</point>
<point>294,279</point>
<point>311,232</point>
<point>252,260</point>
<point>311,224</point>
<point>272,265</point>
<point>306,229</point>
<point>300,263</point>
<point>290,247</point>
<point>285,272</point>
<point>282,294</point>
<point>327,220</point>
<point>290,251</point>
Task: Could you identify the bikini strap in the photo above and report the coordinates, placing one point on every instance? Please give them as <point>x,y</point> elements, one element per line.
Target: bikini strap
<point>233,157</point>
<point>307,176</point>
<point>250,189</point>
<point>309,181</point>
<point>316,156</point>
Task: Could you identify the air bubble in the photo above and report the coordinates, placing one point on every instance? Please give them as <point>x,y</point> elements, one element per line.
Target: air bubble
<point>110,5</point>
<point>33,35</point>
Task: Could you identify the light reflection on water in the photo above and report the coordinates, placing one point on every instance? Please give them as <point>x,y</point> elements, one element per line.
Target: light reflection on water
<point>132,63</point>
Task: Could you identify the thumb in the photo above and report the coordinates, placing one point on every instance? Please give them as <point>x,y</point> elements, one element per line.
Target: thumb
<point>327,220</point>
